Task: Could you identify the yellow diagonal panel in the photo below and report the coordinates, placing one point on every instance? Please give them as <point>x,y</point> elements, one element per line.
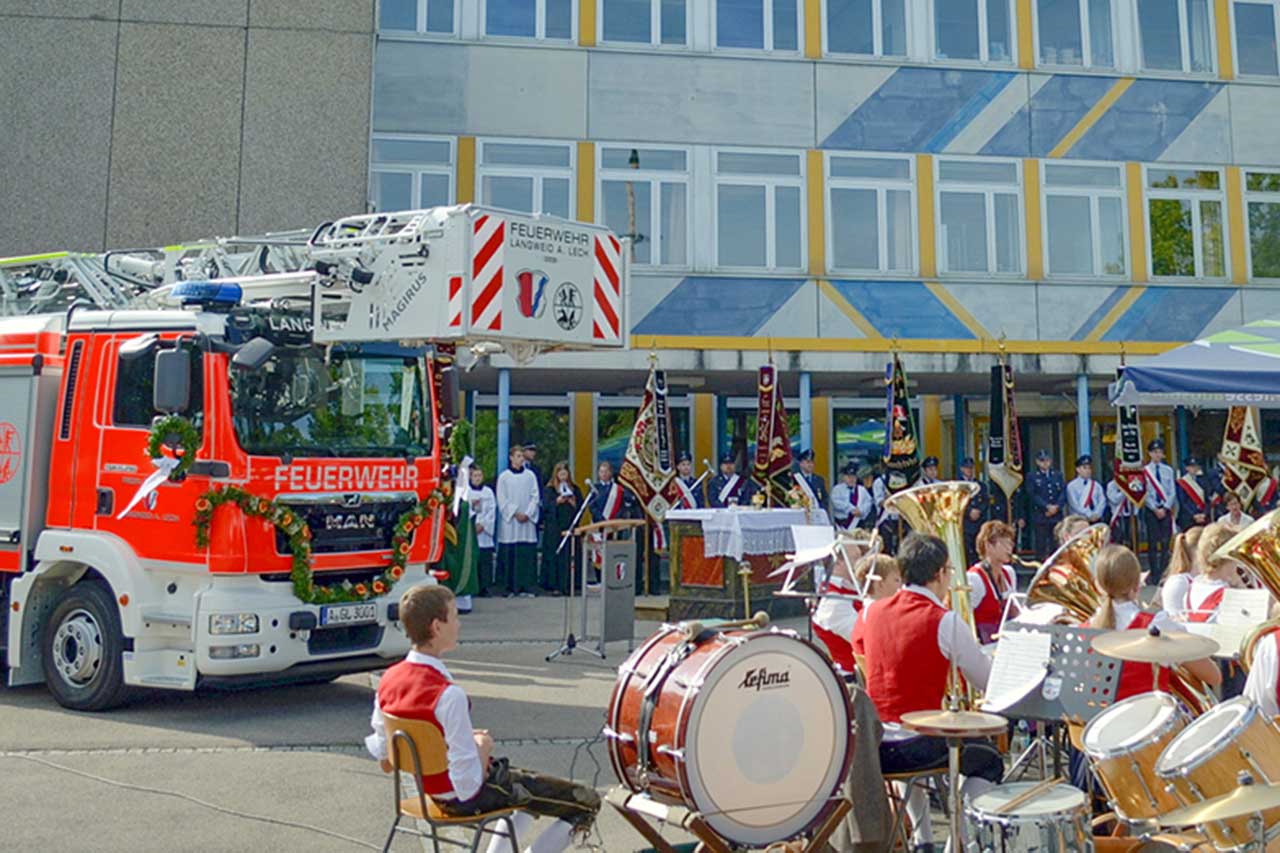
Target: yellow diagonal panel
<point>846,308</point>
<point>953,305</point>
<point>1091,118</point>
<point>1117,311</point>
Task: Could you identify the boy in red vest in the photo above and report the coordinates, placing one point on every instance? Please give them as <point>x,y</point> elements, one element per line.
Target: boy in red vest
<point>910,640</point>
<point>420,688</point>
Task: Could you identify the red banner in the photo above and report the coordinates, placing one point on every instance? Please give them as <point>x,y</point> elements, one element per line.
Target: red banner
<point>772,468</point>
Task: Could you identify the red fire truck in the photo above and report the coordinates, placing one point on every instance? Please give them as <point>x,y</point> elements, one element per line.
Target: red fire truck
<point>236,489</point>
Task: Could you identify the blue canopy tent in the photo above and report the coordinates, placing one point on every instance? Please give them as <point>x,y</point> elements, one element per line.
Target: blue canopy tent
<point>1238,367</point>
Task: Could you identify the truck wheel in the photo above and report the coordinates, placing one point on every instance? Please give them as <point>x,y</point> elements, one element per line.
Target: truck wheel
<point>83,649</point>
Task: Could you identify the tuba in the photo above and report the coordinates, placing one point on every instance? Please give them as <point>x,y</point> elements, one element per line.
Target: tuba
<point>1066,578</point>
<point>1258,548</point>
<point>938,510</point>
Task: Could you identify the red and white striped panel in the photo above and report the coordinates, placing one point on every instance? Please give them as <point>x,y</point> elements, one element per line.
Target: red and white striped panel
<point>486,274</point>
<point>607,290</point>
<point>455,302</point>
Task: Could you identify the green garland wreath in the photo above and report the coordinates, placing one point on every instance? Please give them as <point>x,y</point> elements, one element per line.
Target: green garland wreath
<point>298,535</point>
<point>188,441</point>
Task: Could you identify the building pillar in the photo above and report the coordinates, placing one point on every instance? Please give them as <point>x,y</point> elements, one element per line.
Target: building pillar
<point>722,430</point>
<point>1084,425</point>
<point>806,411</point>
<point>1184,438</point>
<point>961,412</point>
<point>504,418</point>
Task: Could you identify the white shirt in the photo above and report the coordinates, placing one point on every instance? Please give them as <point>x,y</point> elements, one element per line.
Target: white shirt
<point>1239,523</point>
<point>518,492</point>
<point>1127,611</point>
<point>484,511</point>
<point>1087,498</point>
<point>955,641</point>
<point>1118,501</point>
<point>845,499</point>
<point>880,491</point>
<point>1173,595</point>
<point>1159,474</point>
<point>1201,588</point>
<point>1261,686</point>
<point>453,713</point>
<point>835,612</point>
<point>978,587</point>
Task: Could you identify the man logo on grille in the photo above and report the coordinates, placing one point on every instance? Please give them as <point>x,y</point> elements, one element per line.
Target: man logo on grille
<point>568,306</point>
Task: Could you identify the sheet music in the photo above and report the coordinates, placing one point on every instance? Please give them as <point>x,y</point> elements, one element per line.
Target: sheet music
<point>1022,659</point>
<point>1229,637</point>
<point>1244,607</point>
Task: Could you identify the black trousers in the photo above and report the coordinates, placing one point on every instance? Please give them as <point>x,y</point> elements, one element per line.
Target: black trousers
<point>977,758</point>
<point>539,794</point>
<point>1159,531</point>
<point>1045,544</point>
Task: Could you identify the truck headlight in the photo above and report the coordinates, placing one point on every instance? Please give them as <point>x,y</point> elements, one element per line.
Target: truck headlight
<point>233,623</point>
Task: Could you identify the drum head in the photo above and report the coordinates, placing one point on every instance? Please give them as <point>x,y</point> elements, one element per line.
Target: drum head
<point>1205,736</point>
<point>1129,723</point>
<point>1058,800</point>
<point>766,739</point>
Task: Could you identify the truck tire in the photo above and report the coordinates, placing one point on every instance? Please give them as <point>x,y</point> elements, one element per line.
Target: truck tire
<point>82,648</point>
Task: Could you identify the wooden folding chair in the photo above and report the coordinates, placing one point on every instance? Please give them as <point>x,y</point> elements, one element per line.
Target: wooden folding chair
<point>418,747</point>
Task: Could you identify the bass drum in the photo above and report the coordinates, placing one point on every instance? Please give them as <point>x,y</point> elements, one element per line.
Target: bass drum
<point>749,728</point>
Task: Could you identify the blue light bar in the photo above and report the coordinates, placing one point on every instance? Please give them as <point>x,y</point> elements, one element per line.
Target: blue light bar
<point>207,293</point>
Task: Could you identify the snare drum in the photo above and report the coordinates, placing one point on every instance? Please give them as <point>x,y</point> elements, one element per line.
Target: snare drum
<point>1204,760</point>
<point>1057,821</point>
<point>749,728</point>
<point>1123,744</point>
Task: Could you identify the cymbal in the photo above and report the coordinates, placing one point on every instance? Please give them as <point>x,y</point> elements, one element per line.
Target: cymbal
<point>955,723</point>
<point>1244,800</point>
<point>1154,646</point>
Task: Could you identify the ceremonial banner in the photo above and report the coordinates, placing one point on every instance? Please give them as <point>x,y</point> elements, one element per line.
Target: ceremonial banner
<point>1128,462</point>
<point>647,468</point>
<point>1004,443</point>
<point>1244,467</point>
<point>901,455</point>
<point>772,468</point>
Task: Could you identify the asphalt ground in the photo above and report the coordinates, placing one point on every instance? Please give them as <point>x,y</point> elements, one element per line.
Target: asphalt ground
<point>285,769</point>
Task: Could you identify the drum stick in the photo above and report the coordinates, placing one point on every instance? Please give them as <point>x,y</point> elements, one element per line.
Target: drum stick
<point>1029,795</point>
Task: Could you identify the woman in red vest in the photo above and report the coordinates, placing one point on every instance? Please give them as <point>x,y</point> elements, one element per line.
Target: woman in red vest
<point>880,576</point>
<point>1119,575</point>
<point>992,580</point>
<point>1204,595</point>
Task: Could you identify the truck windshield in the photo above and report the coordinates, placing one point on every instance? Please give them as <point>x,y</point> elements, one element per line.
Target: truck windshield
<point>355,405</point>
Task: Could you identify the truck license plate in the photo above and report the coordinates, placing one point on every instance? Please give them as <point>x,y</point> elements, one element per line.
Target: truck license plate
<point>348,614</point>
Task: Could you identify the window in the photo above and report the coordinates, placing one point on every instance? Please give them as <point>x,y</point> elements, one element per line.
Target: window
<point>656,214</point>
<point>411,172</point>
<point>1262,202</point>
<point>979,205</point>
<point>1256,38</point>
<point>759,217</point>
<point>979,30</point>
<point>1084,220</point>
<point>758,24</point>
<point>651,22</point>
<point>1176,35</point>
<point>533,419</point>
<point>872,204</point>
<point>422,16</point>
<point>1075,33</point>
<point>1184,218</point>
<point>527,176</point>
<point>135,388</point>
<point>869,27</point>
<point>543,19</point>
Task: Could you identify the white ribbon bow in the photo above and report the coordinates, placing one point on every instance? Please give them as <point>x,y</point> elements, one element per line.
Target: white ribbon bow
<point>462,485</point>
<point>164,467</point>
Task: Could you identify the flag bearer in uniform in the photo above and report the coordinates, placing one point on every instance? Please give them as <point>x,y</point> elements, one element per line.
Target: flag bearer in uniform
<point>474,781</point>
<point>609,500</point>
<point>691,491</point>
<point>851,502</point>
<point>1121,512</point>
<point>729,488</point>
<point>1085,496</point>
<point>1048,495</point>
<point>812,483</point>
<point>910,640</point>
<point>519,505</point>
<point>976,512</point>
<point>1159,507</point>
<point>1193,500</point>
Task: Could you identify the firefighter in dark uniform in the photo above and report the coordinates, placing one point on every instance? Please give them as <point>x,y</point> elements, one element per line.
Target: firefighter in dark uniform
<point>813,480</point>
<point>975,513</point>
<point>729,488</point>
<point>691,487</point>
<point>1048,494</point>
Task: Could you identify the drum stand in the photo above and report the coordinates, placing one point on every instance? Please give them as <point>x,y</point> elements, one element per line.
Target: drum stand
<point>642,811</point>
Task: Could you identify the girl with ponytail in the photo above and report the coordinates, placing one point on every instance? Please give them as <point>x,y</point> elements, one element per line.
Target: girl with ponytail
<point>1182,569</point>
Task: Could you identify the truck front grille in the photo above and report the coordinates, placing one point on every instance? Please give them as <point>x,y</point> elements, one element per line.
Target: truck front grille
<point>339,526</point>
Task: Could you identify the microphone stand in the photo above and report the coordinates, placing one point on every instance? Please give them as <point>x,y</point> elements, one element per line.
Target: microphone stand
<point>570,641</point>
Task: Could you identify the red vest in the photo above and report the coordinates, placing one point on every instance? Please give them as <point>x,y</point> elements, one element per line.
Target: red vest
<point>1135,678</point>
<point>859,642</point>
<point>906,669</point>
<point>837,646</point>
<point>411,691</point>
<point>1205,611</point>
<point>986,616</point>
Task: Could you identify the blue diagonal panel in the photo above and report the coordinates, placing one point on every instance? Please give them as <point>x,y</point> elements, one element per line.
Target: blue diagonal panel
<point>903,309</point>
<point>918,109</point>
<point>1170,314</point>
<point>1145,120</point>
<point>1098,313</point>
<point>721,307</point>
<point>1053,112</point>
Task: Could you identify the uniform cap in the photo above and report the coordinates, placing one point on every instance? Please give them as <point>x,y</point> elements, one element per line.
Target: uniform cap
<point>1155,444</point>
<point>1043,453</point>
<point>967,462</point>
<point>1189,461</point>
<point>929,462</point>
<point>805,456</point>
<point>530,445</point>
<point>684,456</point>
<point>1084,459</point>
<point>850,470</point>
<point>726,457</point>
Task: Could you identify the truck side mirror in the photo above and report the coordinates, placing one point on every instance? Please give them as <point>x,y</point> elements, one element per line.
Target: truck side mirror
<point>253,355</point>
<point>171,391</point>
<point>450,388</point>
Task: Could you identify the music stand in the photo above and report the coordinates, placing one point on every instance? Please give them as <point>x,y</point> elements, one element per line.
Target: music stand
<point>616,589</point>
